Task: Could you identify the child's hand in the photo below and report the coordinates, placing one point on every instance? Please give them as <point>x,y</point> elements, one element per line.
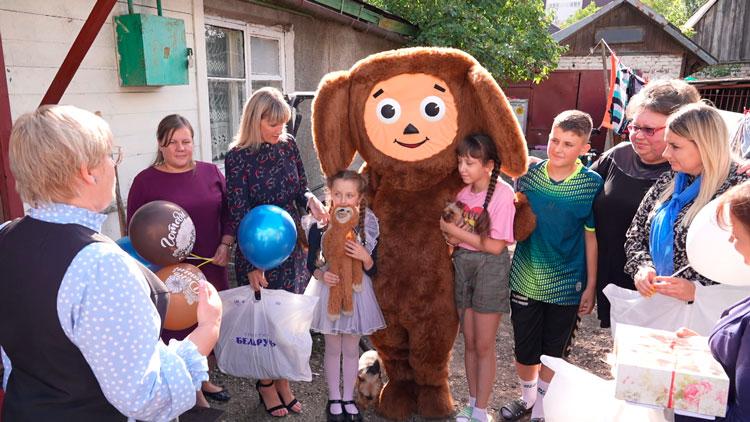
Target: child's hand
<point>588,298</point>
<point>330,278</point>
<point>683,332</point>
<point>356,250</point>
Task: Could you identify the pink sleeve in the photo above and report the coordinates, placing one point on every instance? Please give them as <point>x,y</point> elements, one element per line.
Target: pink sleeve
<point>502,211</point>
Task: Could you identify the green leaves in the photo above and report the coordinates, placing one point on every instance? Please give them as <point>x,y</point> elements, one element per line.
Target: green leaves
<point>509,38</point>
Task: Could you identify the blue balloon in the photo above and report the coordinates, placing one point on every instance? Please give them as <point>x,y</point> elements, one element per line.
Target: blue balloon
<point>266,236</point>
<point>127,246</point>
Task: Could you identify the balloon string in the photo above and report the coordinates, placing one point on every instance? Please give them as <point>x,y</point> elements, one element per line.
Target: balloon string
<point>205,260</point>
<point>204,263</point>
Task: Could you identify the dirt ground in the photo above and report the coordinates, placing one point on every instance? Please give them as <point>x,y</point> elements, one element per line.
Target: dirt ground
<point>589,352</point>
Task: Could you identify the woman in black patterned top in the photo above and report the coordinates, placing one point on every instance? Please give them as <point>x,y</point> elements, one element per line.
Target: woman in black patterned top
<point>702,169</point>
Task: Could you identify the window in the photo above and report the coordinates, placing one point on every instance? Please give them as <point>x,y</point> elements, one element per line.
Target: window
<point>232,78</point>
<point>621,34</point>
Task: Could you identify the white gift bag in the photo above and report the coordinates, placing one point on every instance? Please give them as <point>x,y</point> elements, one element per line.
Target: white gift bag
<point>267,338</point>
<point>667,313</point>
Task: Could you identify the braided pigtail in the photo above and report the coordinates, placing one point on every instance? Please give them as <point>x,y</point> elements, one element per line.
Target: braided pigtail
<point>483,222</point>
<point>361,223</point>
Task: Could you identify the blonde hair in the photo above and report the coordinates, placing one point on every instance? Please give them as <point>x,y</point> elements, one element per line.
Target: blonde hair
<point>266,103</point>
<point>703,125</point>
<point>48,147</point>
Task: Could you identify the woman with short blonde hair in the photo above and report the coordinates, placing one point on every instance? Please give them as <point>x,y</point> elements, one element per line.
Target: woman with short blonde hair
<point>84,343</point>
<point>50,147</point>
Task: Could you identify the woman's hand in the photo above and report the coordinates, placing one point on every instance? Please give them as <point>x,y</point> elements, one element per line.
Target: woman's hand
<point>209,318</point>
<point>318,210</point>
<point>257,280</point>
<point>330,278</point>
<point>676,287</point>
<point>221,256</point>
<point>644,280</point>
<point>744,167</point>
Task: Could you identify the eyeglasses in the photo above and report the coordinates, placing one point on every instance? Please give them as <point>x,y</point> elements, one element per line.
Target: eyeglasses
<point>116,154</point>
<point>647,131</point>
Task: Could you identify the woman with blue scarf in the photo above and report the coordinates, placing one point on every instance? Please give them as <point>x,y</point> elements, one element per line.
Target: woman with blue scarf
<point>702,169</point>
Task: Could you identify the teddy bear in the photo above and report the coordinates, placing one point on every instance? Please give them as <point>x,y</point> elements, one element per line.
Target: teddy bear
<point>342,221</point>
<point>404,111</point>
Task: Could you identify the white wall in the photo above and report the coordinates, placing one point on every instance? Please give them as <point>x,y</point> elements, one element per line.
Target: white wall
<point>651,66</point>
<point>37,36</point>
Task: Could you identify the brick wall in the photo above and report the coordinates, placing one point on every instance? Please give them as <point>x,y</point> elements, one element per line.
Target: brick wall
<point>651,66</point>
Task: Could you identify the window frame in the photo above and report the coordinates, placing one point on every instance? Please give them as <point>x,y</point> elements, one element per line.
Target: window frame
<point>285,38</point>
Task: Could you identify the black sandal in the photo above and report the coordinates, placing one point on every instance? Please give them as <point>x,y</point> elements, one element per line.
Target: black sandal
<point>352,417</point>
<point>222,395</point>
<point>270,411</point>
<point>330,417</point>
<point>290,405</point>
<point>514,410</point>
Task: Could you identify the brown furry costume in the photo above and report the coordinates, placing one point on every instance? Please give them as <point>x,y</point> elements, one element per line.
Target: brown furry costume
<point>341,224</point>
<point>405,111</point>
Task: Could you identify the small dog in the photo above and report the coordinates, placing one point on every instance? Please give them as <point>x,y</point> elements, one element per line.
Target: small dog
<point>369,379</point>
<point>453,212</point>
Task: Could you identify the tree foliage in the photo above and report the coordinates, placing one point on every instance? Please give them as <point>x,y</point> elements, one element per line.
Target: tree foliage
<point>509,37</point>
<point>580,14</point>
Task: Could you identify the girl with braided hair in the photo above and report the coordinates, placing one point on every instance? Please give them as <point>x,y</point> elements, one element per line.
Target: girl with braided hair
<point>482,264</point>
<point>342,334</point>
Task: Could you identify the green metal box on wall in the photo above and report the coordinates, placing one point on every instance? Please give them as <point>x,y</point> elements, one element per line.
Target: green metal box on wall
<point>152,50</point>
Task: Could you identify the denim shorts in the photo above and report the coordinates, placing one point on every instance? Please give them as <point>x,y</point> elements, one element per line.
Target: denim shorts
<point>482,281</point>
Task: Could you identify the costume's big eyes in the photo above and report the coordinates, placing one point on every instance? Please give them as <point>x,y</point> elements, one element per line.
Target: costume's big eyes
<point>432,108</point>
<point>388,110</point>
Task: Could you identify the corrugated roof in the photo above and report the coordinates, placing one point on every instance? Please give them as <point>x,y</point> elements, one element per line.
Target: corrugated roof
<point>648,12</point>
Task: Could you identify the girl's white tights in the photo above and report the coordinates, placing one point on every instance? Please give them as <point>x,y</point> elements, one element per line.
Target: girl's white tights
<point>346,345</point>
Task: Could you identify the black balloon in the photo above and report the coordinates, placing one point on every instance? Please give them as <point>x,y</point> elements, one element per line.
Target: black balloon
<point>162,233</point>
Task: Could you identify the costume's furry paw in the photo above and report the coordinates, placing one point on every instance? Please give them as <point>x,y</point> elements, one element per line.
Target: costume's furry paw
<point>332,317</point>
<point>398,400</point>
<point>434,401</point>
<point>357,288</point>
<point>348,313</point>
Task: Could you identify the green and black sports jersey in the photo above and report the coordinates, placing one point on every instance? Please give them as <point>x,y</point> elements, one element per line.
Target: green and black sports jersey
<point>550,265</point>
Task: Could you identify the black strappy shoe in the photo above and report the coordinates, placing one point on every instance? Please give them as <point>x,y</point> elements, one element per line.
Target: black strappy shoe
<point>351,417</point>
<point>270,411</point>
<point>290,405</point>
<point>330,417</point>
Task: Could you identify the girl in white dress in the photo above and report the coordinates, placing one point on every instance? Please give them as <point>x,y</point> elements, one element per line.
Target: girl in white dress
<point>342,334</point>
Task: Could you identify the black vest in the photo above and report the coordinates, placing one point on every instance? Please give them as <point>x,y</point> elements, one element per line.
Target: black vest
<point>50,379</point>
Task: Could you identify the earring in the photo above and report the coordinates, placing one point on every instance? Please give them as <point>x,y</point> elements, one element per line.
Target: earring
<point>93,179</point>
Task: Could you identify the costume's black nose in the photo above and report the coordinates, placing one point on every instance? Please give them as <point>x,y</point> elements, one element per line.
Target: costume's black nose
<point>410,129</point>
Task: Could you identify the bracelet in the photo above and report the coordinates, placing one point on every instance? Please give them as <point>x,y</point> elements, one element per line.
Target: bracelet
<point>226,244</point>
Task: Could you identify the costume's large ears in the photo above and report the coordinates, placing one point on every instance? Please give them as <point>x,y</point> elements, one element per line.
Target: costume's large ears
<point>330,123</point>
<point>501,122</point>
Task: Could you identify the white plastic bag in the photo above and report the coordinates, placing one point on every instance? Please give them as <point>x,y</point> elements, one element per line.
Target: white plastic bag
<point>267,338</point>
<point>577,395</point>
<point>667,313</point>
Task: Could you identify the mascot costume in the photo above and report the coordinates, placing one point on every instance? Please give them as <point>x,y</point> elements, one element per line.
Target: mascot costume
<point>405,111</point>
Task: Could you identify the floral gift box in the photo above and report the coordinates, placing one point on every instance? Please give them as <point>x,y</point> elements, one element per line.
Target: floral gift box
<point>655,367</point>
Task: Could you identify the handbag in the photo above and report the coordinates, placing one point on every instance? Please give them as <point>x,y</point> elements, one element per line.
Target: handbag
<point>265,335</point>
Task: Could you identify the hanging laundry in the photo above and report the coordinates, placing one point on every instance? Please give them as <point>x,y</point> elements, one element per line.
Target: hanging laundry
<point>624,84</point>
<point>740,143</point>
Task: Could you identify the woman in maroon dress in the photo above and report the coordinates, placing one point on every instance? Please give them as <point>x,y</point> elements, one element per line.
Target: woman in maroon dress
<point>200,189</point>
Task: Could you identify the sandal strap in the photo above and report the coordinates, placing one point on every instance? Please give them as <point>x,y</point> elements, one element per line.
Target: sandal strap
<point>275,408</point>
<point>348,402</point>
<point>260,384</point>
